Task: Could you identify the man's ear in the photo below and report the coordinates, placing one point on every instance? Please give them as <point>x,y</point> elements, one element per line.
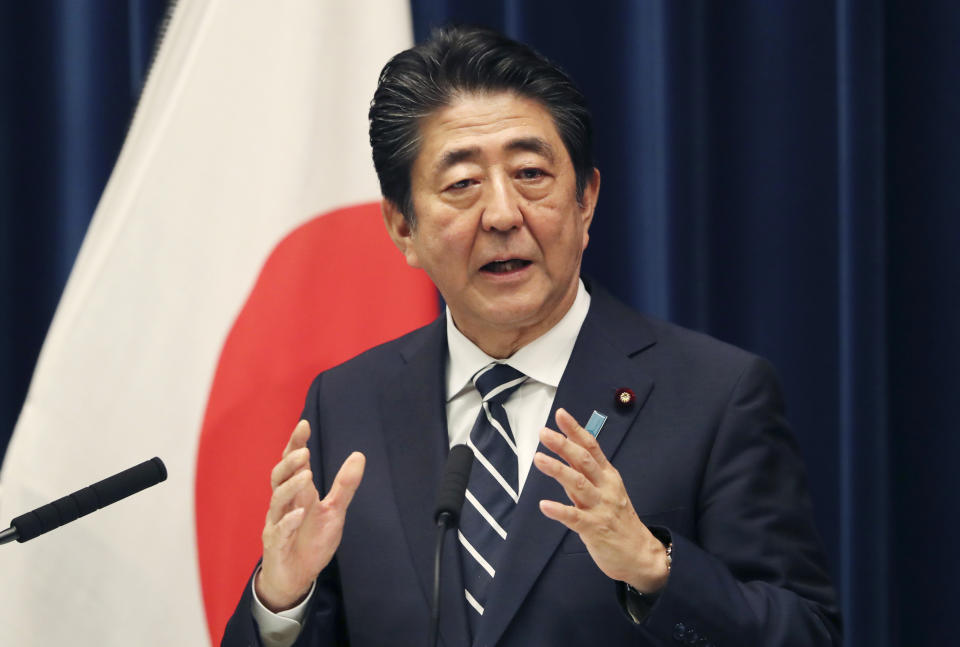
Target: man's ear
<point>401,232</point>
<point>591,193</point>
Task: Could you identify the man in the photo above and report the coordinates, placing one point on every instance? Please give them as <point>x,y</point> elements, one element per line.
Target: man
<point>667,503</point>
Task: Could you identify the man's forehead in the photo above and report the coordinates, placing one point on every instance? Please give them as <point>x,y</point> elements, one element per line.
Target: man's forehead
<point>459,130</point>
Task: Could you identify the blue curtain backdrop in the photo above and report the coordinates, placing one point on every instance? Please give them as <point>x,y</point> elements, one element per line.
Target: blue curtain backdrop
<point>784,175</point>
<point>71,72</point>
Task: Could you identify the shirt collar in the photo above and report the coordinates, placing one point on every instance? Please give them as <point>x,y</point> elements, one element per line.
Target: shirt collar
<point>544,359</point>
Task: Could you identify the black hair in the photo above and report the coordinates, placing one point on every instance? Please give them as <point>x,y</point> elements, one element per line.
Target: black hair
<point>454,60</point>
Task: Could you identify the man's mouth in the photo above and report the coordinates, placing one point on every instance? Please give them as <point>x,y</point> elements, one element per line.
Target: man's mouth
<point>502,267</point>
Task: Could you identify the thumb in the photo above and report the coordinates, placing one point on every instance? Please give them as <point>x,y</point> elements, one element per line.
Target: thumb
<point>347,480</point>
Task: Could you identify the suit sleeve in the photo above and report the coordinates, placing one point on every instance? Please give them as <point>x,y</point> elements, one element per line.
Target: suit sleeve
<point>324,624</point>
<point>754,574</point>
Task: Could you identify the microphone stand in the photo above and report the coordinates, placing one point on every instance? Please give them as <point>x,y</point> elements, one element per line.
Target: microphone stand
<point>453,486</point>
<point>444,521</point>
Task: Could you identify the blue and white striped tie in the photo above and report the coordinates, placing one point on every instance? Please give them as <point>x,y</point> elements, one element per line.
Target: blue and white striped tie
<point>493,489</point>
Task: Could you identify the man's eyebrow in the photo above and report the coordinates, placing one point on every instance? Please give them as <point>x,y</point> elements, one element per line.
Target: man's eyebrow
<point>454,157</point>
<point>532,145</point>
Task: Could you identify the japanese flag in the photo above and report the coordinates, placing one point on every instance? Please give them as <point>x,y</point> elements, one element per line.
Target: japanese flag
<point>237,250</point>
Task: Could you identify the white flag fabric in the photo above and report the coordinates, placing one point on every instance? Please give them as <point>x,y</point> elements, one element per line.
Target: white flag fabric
<point>236,251</point>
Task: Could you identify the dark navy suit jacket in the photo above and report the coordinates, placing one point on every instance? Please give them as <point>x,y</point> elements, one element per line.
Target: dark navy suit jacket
<point>704,452</point>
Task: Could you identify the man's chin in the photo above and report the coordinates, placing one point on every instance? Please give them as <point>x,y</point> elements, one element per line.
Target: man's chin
<point>518,317</point>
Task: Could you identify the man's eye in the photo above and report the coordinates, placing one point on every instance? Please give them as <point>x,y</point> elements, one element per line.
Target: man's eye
<point>462,184</point>
<point>530,173</point>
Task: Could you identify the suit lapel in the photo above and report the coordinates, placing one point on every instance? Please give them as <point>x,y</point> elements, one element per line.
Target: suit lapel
<point>414,424</point>
<point>599,365</point>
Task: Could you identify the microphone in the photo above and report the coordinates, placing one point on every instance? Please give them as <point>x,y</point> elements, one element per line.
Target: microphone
<point>83,502</point>
<point>453,487</point>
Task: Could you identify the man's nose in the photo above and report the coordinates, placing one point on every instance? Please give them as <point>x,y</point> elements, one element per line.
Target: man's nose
<point>502,209</point>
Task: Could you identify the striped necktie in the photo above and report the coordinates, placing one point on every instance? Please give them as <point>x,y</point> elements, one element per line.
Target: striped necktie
<point>493,488</point>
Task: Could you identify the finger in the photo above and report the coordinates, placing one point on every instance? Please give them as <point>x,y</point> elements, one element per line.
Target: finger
<point>577,457</point>
<point>572,429</point>
<point>569,516</point>
<point>346,482</point>
<point>289,465</point>
<point>289,523</point>
<point>298,438</point>
<point>577,486</point>
<point>285,494</point>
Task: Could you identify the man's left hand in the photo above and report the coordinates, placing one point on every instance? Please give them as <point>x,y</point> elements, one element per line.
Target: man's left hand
<point>602,514</point>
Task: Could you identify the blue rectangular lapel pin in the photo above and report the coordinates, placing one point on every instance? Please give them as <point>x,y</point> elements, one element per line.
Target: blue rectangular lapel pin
<point>595,423</point>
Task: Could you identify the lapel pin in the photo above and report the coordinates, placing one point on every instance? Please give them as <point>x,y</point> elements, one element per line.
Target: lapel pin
<point>625,398</point>
<point>595,423</point>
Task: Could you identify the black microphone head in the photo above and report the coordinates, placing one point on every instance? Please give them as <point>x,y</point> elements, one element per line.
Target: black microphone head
<point>453,485</point>
<point>93,497</point>
<point>129,481</point>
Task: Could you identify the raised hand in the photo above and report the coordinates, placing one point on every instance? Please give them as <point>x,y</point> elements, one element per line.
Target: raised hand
<point>622,547</point>
<point>302,531</point>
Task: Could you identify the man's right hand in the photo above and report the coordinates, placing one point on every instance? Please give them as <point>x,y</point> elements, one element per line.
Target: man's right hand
<point>302,532</point>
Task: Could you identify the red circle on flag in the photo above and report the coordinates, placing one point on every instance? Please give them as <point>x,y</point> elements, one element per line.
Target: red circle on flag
<point>331,289</point>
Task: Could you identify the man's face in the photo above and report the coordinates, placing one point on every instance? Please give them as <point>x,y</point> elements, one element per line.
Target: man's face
<point>498,227</point>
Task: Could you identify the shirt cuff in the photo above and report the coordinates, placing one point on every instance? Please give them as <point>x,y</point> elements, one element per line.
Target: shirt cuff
<point>278,629</point>
<point>637,606</point>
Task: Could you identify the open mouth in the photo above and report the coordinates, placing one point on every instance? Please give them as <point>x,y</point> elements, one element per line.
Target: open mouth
<point>502,267</point>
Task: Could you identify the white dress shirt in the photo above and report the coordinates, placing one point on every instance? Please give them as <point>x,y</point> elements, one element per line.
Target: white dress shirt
<point>543,361</point>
